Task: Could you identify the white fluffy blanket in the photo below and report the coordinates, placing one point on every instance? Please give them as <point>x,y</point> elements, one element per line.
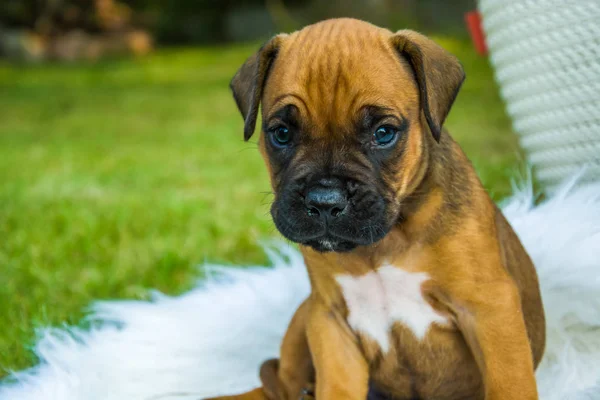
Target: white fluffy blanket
<point>212,339</point>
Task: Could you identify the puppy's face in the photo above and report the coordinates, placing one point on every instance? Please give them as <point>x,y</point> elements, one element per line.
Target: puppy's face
<point>343,131</point>
<point>342,138</point>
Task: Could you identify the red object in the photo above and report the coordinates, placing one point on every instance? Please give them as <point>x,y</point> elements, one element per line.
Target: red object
<point>473,20</point>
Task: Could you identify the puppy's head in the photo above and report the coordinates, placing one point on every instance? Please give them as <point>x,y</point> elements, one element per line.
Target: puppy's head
<point>349,112</point>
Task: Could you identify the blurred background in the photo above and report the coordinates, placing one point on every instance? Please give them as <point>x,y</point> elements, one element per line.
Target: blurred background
<point>122,163</point>
<point>92,29</point>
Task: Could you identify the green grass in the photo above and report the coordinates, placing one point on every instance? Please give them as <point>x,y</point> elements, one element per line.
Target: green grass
<point>122,177</point>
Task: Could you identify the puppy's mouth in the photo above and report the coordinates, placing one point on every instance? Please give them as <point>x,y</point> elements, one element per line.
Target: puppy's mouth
<point>328,243</point>
<point>343,234</point>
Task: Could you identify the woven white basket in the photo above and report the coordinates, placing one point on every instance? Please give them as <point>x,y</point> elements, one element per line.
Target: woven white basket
<point>546,56</point>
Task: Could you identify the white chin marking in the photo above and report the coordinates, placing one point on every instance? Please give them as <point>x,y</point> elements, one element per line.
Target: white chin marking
<point>386,296</point>
<point>326,244</point>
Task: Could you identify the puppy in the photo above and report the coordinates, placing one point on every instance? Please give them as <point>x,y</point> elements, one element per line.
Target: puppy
<point>420,288</point>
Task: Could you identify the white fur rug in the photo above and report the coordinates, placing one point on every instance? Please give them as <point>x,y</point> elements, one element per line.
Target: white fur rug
<point>212,339</point>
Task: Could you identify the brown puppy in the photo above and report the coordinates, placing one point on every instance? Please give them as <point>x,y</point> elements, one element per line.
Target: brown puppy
<point>420,288</point>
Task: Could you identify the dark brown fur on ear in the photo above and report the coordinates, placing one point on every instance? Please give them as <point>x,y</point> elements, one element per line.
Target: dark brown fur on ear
<point>247,84</point>
<point>439,75</point>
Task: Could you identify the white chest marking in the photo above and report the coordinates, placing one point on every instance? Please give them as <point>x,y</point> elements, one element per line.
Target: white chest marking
<point>378,299</point>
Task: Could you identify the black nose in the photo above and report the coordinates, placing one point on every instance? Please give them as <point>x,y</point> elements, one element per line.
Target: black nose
<point>325,202</point>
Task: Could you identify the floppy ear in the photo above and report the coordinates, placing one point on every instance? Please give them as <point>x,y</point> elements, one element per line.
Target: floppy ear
<point>248,82</point>
<point>439,75</point>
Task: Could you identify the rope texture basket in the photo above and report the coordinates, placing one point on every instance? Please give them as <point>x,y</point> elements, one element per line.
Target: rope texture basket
<point>546,56</point>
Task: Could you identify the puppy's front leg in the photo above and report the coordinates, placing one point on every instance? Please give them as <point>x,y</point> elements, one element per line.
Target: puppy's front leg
<point>295,370</point>
<point>342,371</point>
<point>491,320</point>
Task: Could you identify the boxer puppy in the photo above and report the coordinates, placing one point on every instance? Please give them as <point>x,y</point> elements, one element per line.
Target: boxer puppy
<point>420,287</point>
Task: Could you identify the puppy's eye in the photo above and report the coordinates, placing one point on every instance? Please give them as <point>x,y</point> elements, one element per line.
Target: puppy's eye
<point>385,136</point>
<point>280,136</point>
